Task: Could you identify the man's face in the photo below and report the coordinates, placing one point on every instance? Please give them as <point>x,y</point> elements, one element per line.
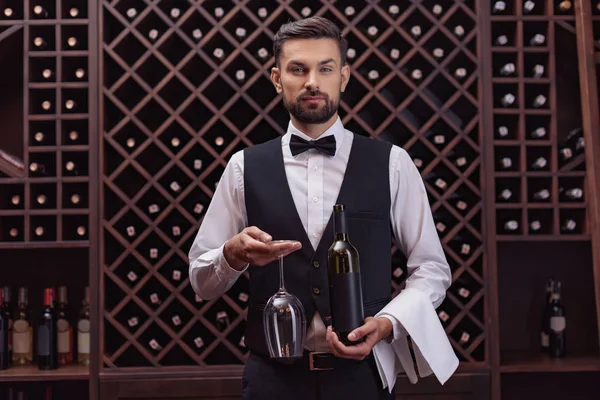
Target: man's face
<point>311,78</point>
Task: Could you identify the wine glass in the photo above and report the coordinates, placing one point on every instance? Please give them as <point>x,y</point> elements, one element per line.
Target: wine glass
<point>284,322</point>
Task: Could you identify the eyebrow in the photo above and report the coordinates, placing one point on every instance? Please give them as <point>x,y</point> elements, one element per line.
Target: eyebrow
<point>301,64</point>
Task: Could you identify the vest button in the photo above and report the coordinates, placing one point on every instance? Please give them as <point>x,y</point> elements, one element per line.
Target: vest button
<point>316,264</point>
<point>316,290</point>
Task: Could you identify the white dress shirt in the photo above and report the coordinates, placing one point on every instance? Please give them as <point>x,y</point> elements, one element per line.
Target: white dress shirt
<point>314,180</point>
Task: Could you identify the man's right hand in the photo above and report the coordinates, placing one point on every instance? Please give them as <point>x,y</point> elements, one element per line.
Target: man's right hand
<point>251,246</point>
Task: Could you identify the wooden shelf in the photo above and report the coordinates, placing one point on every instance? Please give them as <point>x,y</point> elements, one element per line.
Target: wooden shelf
<point>515,362</point>
<point>543,238</point>
<point>31,373</point>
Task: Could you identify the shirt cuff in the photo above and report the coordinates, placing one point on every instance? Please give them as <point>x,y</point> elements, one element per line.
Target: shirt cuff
<point>397,329</point>
<point>222,268</point>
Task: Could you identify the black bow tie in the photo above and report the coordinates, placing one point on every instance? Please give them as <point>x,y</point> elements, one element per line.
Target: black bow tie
<point>325,145</point>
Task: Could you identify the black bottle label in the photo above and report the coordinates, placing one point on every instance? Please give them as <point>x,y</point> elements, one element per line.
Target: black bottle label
<point>346,302</point>
<point>43,340</point>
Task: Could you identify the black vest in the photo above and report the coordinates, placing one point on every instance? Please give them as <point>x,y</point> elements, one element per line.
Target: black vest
<point>365,192</point>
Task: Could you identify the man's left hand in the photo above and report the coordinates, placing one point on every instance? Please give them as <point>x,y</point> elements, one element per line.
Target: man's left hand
<point>374,330</point>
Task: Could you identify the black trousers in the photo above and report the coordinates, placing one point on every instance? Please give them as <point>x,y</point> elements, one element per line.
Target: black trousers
<point>265,379</point>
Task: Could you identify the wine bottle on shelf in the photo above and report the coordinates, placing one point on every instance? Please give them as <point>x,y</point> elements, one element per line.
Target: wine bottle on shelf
<point>349,11</point>
<point>565,6</point>
<point>535,225</point>
<point>568,226</point>
<point>37,168</point>
<point>153,34</point>
<point>79,73</point>
<point>437,10</point>
<point>460,73</point>
<point>71,167</point>
<point>39,43</point>
<point>47,73</point>
<point>4,353</point>
<point>73,12</point>
<point>542,194</point>
<point>40,12</point>
<point>538,71</point>
<point>505,163</point>
<point>539,101</point>
<point>539,163</point>
<point>546,313</point>
<point>394,10</point>
<point>222,320</point>
<point>72,42</point>
<point>537,40</point>
<point>510,227</point>
<point>175,12</point>
<point>570,194</point>
<point>64,328</point>
<point>8,12</point>
<point>22,331</point>
<point>505,194</point>
<point>131,13</point>
<point>538,133</point>
<point>47,338</point>
<point>508,100</point>
<point>502,131</point>
<point>528,7</point>
<point>6,310</point>
<point>262,13</point>
<point>345,291</point>
<point>499,6</point>
<point>557,346</point>
<point>219,12</point>
<point>508,69</point>
<point>83,330</point>
<point>502,40</point>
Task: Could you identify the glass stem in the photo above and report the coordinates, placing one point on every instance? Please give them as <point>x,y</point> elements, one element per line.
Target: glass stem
<point>281,285</point>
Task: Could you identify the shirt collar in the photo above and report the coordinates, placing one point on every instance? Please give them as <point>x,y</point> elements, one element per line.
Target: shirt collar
<point>337,130</point>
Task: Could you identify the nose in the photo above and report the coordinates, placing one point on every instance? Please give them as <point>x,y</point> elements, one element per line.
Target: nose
<point>311,82</point>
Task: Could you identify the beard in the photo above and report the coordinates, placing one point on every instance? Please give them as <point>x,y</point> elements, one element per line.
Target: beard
<point>312,113</point>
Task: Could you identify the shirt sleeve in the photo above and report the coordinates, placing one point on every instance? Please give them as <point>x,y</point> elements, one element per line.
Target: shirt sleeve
<point>414,229</point>
<point>210,274</point>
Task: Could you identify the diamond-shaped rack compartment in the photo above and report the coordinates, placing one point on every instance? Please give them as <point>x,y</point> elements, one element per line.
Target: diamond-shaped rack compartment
<point>179,101</point>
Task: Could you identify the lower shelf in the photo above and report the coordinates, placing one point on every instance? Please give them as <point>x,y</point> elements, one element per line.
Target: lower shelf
<point>31,373</point>
<point>517,362</point>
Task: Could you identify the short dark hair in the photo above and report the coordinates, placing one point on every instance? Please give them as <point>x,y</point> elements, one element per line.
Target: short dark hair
<point>309,28</point>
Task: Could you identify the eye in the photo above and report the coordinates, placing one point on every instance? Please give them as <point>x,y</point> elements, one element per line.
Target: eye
<point>297,69</point>
<point>326,69</point>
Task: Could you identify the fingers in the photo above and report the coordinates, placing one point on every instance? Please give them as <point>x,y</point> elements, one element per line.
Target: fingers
<point>368,328</point>
<point>257,234</point>
<point>258,248</point>
<point>356,352</point>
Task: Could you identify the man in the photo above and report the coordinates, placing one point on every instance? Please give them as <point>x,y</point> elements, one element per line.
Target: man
<point>286,189</point>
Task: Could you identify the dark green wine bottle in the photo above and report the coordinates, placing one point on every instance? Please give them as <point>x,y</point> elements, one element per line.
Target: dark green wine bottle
<point>345,287</point>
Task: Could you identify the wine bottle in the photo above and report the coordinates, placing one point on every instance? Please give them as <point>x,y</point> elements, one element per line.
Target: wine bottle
<point>22,331</point>
<point>262,13</point>
<point>47,73</point>
<point>73,12</point>
<point>505,194</point>
<point>4,354</point>
<point>564,6</point>
<point>437,10</point>
<point>40,12</point>
<point>511,226</point>
<point>570,194</point>
<point>568,225</point>
<point>508,69</point>
<point>394,10</point>
<point>499,6</point>
<point>79,73</point>
<point>47,349</point>
<point>416,31</point>
<point>65,331</point>
<point>349,11</point>
<point>345,287</point>
<point>222,320</point>
<point>83,330</point>
<point>557,323</point>
<point>539,163</point>
<point>175,12</point>
<point>6,309</point>
<point>131,13</point>
<point>508,100</point>
<point>542,194</point>
<point>528,7</point>
<point>538,71</point>
<point>537,40</point>
<point>502,40</point>
<point>538,133</point>
<point>153,34</point>
<point>72,42</point>
<point>546,313</point>
<point>8,12</point>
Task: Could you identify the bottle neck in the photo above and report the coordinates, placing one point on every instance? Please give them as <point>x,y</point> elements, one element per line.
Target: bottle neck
<point>340,226</point>
<point>48,297</point>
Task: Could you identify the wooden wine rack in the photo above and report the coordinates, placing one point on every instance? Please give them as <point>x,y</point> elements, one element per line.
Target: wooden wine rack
<point>163,111</point>
<point>534,197</point>
<point>43,213</point>
<point>175,87</point>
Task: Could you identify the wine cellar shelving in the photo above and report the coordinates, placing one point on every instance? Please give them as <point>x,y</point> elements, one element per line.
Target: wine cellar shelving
<point>44,171</point>
<point>191,99</point>
<point>119,117</point>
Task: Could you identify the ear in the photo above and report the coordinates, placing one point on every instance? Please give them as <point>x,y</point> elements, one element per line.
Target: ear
<point>345,76</point>
<point>276,79</point>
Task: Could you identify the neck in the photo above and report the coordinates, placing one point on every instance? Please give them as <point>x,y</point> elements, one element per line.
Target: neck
<point>313,131</point>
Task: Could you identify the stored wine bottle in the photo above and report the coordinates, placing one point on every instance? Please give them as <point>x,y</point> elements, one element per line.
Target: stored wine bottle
<point>528,7</point>
<point>65,331</point>
<point>345,286</point>
<point>40,12</point>
<point>83,330</point>
<point>4,354</point>
<point>499,7</point>
<point>22,331</point>
<point>47,338</point>
<point>6,310</point>
<point>564,6</point>
<point>546,313</point>
<point>557,323</point>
